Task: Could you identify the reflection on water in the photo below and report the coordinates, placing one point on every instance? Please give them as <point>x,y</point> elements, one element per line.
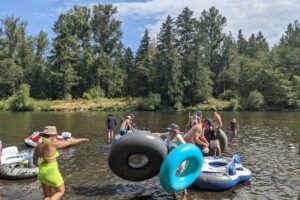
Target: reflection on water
<point>262,142</point>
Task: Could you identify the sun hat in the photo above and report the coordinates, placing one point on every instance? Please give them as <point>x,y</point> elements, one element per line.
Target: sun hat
<point>173,126</point>
<point>50,130</point>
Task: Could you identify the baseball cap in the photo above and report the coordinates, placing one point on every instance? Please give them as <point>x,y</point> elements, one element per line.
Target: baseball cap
<point>173,126</point>
<point>209,121</point>
<point>198,112</point>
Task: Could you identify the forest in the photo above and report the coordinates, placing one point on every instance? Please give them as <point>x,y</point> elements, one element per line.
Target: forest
<point>190,60</point>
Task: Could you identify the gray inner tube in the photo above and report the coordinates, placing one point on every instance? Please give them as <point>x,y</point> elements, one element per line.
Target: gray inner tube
<point>17,171</point>
<point>138,156</point>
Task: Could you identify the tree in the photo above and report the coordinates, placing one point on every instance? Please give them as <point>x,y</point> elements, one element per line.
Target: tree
<point>242,43</point>
<point>168,66</point>
<point>12,54</point>
<point>141,71</point>
<point>108,49</point>
<point>64,57</point>
<point>211,25</point>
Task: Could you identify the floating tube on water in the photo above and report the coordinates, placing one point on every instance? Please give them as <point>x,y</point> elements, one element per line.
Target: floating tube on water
<point>219,173</point>
<point>172,182</point>
<point>17,171</point>
<point>137,156</point>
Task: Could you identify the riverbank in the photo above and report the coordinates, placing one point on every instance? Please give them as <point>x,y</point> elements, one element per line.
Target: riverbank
<point>113,104</point>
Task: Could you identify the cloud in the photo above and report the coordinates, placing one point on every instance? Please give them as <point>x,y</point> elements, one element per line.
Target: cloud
<point>269,16</point>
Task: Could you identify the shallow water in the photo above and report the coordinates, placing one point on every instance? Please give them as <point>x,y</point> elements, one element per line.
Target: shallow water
<point>262,142</point>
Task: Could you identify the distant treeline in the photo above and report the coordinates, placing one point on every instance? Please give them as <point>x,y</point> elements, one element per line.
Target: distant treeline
<point>191,60</point>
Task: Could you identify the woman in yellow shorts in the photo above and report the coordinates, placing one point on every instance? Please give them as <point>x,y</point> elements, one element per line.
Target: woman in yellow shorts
<point>44,156</point>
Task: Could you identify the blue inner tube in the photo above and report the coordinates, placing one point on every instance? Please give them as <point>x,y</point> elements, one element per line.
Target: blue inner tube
<point>138,156</point>
<point>169,179</point>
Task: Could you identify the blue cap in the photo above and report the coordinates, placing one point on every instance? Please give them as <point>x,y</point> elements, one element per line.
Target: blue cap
<point>198,112</point>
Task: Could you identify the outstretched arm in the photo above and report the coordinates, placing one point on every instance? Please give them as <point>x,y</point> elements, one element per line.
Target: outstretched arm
<point>62,144</point>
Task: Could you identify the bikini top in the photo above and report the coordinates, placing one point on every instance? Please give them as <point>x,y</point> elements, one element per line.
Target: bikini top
<point>56,154</point>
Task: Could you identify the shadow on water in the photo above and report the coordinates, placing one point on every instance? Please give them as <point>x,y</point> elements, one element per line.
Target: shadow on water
<point>121,191</point>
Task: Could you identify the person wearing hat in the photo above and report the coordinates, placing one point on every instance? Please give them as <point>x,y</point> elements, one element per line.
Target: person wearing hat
<point>173,136</point>
<point>45,157</point>
<point>126,126</point>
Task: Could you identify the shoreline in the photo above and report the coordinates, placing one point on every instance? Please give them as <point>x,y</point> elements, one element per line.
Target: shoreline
<point>125,104</point>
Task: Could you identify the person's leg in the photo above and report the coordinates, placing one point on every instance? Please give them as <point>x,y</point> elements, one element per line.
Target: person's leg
<point>112,133</point>
<point>47,191</point>
<point>59,192</point>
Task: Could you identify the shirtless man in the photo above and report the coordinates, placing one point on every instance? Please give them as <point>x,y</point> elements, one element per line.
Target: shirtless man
<point>196,136</point>
<point>218,124</point>
<point>126,126</point>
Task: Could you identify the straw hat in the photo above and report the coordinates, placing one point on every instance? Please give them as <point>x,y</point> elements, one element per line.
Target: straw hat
<point>50,130</point>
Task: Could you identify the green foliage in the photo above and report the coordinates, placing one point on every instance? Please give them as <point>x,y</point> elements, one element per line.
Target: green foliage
<point>21,100</point>
<point>3,105</point>
<point>150,103</point>
<point>254,101</point>
<point>233,105</point>
<point>227,95</point>
<point>93,93</point>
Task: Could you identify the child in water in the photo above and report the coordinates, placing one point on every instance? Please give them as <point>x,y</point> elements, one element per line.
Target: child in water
<point>234,127</point>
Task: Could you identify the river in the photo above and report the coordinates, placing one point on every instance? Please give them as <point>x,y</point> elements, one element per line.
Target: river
<point>262,143</point>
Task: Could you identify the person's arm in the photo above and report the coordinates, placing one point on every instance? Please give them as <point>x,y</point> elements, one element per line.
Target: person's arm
<point>220,121</point>
<point>35,156</point>
<point>62,144</point>
<point>188,124</point>
<point>130,126</point>
<point>160,134</point>
<point>197,136</point>
<point>180,138</point>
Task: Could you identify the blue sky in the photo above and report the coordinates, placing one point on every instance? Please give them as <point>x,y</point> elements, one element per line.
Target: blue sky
<point>269,16</point>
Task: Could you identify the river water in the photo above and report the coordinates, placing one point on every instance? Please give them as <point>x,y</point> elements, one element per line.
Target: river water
<point>262,143</point>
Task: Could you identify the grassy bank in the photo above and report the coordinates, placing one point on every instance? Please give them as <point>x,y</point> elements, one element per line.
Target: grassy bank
<point>105,104</point>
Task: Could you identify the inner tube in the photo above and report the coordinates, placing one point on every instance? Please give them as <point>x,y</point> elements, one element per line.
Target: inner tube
<point>169,179</point>
<point>137,156</point>
<point>17,171</point>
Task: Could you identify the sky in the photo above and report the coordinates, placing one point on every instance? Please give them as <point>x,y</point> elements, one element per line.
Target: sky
<point>271,17</point>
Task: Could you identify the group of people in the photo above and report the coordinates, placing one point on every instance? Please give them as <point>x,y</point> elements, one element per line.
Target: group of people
<point>203,133</point>
<point>126,125</point>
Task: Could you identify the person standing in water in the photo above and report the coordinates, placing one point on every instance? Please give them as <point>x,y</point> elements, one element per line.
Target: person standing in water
<point>218,124</point>
<point>44,156</point>
<point>234,127</point>
<point>111,125</point>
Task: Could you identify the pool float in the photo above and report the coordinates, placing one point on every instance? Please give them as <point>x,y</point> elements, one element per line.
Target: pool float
<point>189,158</point>
<point>34,139</point>
<point>18,171</point>
<point>12,155</point>
<point>137,156</point>
<point>220,173</point>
